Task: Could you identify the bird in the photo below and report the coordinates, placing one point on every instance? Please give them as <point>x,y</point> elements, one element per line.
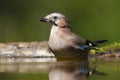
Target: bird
<point>64,43</point>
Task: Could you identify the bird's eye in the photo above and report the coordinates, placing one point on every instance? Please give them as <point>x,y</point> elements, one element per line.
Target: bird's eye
<point>55,17</point>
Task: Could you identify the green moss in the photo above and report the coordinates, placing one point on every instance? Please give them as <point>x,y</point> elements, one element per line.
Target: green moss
<point>112,47</point>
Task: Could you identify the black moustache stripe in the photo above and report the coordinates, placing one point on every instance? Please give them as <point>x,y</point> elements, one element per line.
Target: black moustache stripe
<point>53,22</point>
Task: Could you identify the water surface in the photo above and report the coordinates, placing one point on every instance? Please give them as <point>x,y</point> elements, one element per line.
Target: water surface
<point>49,69</point>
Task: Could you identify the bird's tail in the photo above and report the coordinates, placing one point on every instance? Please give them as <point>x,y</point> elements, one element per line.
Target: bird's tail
<point>98,42</point>
<point>91,45</point>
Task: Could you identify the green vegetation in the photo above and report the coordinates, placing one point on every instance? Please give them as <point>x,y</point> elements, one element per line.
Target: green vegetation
<point>93,20</point>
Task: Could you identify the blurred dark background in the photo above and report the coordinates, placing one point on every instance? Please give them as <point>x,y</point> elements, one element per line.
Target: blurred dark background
<point>92,19</point>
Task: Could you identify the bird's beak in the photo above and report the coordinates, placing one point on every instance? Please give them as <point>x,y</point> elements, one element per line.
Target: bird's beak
<point>43,19</point>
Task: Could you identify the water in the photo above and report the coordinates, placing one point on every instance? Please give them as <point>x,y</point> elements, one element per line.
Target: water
<point>49,69</point>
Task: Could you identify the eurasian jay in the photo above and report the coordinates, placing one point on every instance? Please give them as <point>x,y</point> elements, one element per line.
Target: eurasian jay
<point>65,44</point>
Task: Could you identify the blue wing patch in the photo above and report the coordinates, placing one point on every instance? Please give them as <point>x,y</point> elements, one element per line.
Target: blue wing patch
<point>83,47</point>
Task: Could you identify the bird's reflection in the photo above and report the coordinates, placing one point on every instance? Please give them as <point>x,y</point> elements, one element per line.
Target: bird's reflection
<point>72,70</point>
<point>69,70</point>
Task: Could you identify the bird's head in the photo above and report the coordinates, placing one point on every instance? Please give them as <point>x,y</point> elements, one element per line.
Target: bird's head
<point>56,19</point>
